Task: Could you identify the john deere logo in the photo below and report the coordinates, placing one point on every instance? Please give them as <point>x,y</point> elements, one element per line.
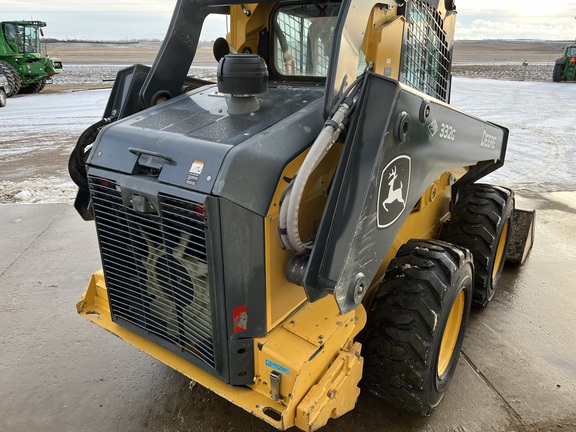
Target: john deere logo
<point>393,190</point>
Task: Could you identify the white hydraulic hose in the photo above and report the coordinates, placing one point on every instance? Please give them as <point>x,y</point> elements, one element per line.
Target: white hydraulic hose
<point>283,218</point>
<point>293,199</point>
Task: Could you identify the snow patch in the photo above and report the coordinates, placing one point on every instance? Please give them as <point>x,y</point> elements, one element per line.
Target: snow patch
<point>38,190</point>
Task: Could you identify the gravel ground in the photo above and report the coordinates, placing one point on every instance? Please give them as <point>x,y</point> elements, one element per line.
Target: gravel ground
<point>538,72</point>
<point>76,74</point>
<point>81,74</point>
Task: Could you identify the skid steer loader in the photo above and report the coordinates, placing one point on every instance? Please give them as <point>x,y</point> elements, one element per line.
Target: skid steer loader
<point>309,220</point>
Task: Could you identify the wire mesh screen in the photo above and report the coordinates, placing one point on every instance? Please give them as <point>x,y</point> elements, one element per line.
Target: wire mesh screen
<point>156,269</point>
<point>426,61</point>
<point>303,37</point>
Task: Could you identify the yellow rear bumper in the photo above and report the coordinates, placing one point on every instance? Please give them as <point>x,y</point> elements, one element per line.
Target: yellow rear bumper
<point>312,356</point>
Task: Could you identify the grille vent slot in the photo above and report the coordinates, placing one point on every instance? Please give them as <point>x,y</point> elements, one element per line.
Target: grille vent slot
<point>156,269</point>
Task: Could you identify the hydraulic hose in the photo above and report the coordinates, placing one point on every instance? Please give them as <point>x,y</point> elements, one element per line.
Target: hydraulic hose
<point>293,198</point>
<point>288,223</point>
<point>283,217</point>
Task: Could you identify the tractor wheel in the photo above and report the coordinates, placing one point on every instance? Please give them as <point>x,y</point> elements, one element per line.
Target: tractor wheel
<point>558,72</point>
<point>33,88</point>
<point>2,98</point>
<point>41,86</point>
<point>12,77</point>
<point>481,222</point>
<point>417,323</point>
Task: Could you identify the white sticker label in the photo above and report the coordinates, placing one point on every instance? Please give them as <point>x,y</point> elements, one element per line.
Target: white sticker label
<point>194,173</point>
<point>197,167</point>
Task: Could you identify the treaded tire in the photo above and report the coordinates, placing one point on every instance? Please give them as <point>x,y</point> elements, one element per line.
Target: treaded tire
<point>12,76</point>
<point>2,98</point>
<point>81,152</point>
<point>406,362</point>
<point>41,86</point>
<point>33,88</point>
<point>482,223</point>
<point>558,72</point>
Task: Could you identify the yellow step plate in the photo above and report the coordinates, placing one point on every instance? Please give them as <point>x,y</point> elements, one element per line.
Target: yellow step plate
<point>335,394</point>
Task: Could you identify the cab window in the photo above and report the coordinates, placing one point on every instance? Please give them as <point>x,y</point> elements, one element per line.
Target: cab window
<point>303,36</point>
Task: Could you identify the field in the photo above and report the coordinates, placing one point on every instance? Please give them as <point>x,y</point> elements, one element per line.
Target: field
<point>93,65</point>
<point>484,52</point>
<point>504,59</point>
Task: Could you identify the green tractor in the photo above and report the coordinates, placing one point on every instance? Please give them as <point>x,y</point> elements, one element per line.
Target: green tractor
<point>23,57</point>
<point>565,67</point>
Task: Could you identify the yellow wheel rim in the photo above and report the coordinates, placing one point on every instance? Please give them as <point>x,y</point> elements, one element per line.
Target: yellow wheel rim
<point>501,249</point>
<point>451,332</point>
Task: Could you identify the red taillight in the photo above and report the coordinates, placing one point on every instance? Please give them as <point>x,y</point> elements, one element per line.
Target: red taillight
<point>200,211</point>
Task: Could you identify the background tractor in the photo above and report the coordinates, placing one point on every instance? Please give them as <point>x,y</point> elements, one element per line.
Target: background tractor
<point>565,66</point>
<point>23,56</point>
<point>4,89</point>
<point>311,219</point>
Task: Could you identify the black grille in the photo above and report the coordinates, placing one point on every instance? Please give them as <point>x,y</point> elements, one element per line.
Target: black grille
<point>156,269</point>
<point>426,60</point>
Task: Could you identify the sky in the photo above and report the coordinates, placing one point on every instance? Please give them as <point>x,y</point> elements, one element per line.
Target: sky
<point>148,19</point>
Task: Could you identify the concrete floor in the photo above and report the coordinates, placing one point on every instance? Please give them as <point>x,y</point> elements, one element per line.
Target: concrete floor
<point>59,372</point>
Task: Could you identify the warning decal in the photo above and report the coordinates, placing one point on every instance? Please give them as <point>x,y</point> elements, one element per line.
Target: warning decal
<point>194,173</point>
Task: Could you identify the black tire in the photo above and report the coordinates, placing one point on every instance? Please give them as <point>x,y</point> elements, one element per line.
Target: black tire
<point>41,86</point>
<point>33,88</point>
<point>417,323</point>
<point>81,152</point>
<point>558,72</point>
<point>2,98</point>
<point>12,76</point>
<point>482,223</point>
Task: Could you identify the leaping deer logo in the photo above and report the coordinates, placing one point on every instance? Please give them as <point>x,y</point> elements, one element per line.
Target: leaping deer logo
<point>393,194</point>
<point>393,190</point>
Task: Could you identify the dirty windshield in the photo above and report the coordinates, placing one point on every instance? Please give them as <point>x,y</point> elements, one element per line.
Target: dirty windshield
<point>303,35</point>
